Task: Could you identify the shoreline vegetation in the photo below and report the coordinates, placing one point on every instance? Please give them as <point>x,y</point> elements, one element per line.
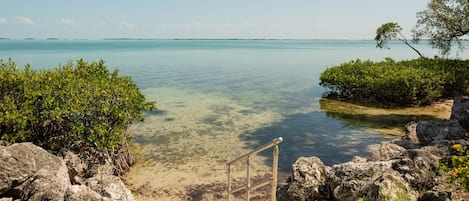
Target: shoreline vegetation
<point>390,83</point>
<point>80,107</point>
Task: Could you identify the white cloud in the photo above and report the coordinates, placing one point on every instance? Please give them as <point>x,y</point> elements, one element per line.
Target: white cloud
<point>3,21</point>
<point>128,25</point>
<point>25,20</point>
<point>67,22</point>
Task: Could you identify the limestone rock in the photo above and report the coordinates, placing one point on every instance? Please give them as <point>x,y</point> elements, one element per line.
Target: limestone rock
<point>82,192</point>
<point>28,172</point>
<point>387,151</point>
<point>435,196</point>
<point>76,168</point>
<point>354,180</point>
<point>110,186</point>
<point>411,132</point>
<point>434,132</point>
<point>392,172</point>
<point>460,111</point>
<point>307,181</point>
<point>388,186</point>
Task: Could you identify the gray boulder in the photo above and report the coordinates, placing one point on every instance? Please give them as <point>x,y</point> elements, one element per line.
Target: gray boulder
<point>307,181</point>
<point>82,192</point>
<point>109,186</point>
<point>437,132</point>
<point>460,111</point>
<point>28,172</point>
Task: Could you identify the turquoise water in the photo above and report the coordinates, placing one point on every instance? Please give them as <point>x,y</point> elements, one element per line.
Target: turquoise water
<point>239,78</point>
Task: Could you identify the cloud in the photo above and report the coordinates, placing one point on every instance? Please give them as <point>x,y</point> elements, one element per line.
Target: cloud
<point>25,20</point>
<point>67,22</point>
<point>128,25</point>
<point>3,20</point>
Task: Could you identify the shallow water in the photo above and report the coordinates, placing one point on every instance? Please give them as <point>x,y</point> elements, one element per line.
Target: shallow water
<point>219,99</point>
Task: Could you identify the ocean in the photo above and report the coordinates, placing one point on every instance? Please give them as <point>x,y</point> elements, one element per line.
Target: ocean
<point>219,99</point>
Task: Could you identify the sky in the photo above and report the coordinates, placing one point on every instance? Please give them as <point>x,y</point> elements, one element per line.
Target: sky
<point>272,19</point>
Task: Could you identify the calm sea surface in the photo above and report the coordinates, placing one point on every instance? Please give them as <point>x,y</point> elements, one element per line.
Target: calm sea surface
<point>225,92</point>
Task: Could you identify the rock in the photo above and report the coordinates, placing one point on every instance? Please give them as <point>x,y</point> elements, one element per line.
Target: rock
<point>387,151</point>
<point>307,181</point>
<point>110,186</point>
<point>352,180</point>
<point>4,143</point>
<point>435,196</point>
<point>417,166</point>
<point>28,172</point>
<point>76,168</point>
<point>82,192</point>
<point>411,133</point>
<point>392,172</point>
<point>460,112</point>
<point>389,186</point>
<point>434,132</point>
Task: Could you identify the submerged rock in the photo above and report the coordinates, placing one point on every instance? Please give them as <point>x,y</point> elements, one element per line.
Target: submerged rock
<point>403,169</point>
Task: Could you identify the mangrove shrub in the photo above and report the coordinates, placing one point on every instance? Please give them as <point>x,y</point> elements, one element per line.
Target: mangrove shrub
<point>74,105</point>
<point>404,83</point>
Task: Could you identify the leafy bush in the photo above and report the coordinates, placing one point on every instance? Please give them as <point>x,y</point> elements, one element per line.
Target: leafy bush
<point>71,106</point>
<point>455,73</point>
<point>458,165</point>
<point>404,83</point>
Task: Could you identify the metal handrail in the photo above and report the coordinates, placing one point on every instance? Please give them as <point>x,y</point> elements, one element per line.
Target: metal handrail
<point>247,186</point>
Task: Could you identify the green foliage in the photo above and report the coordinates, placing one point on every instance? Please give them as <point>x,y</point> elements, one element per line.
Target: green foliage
<point>385,32</point>
<point>391,31</point>
<point>458,165</point>
<point>74,105</point>
<point>444,22</point>
<point>404,83</point>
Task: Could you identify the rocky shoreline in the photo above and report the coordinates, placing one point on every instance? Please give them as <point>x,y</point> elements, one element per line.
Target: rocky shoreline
<point>403,169</point>
<point>28,172</point>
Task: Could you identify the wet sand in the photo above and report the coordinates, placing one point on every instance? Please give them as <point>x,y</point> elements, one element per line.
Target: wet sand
<point>187,142</point>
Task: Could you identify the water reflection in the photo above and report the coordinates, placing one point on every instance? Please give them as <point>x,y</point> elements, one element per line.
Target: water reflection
<point>309,134</point>
<point>389,121</point>
<point>338,132</point>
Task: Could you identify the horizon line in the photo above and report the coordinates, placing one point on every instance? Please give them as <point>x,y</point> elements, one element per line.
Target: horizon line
<point>131,38</point>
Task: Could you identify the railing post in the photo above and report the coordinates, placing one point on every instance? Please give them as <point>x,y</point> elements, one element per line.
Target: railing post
<point>272,180</point>
<point>248,175</point>
<point>274,174</point>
